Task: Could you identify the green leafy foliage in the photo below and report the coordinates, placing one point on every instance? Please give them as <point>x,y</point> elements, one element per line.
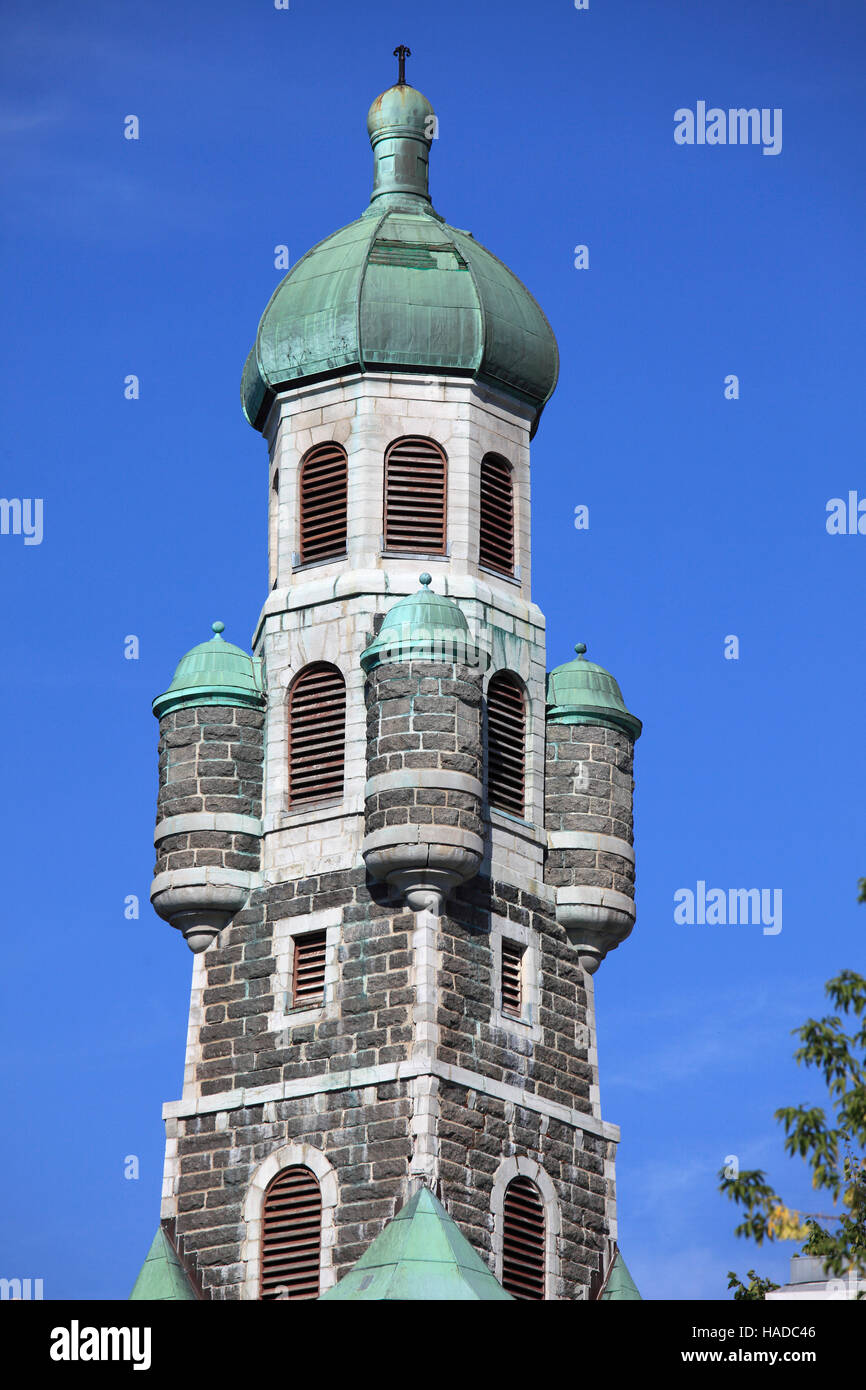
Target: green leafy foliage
<point>834,1148</point>
<point>756,1287</point>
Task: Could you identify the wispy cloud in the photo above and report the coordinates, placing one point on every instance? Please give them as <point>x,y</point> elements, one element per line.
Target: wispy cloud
<point>709,1032</point>
<point>27,119</point>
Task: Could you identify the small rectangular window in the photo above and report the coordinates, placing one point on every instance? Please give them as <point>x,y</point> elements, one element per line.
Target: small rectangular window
<point>308,972</point>
<point>512,978</point>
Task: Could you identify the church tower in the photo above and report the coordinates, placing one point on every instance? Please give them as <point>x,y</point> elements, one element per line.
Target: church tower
<point>398,848</point>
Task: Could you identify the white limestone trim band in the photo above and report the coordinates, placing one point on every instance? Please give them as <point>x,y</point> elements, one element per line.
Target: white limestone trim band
<point>439,779</point>
<point>423,835</point>
<point>395,583</point>
<point>205,873</point>
<point>207,820</point>
<point>584,896</point>
<point>587,839</point>
<point>381,1075</point>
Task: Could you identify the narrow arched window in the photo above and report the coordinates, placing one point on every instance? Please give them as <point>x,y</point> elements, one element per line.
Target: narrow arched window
<point>496,541</point>
<point>415,486</point>
<point>317,735</point>
<point>506,744</point>
<point>291,1236</point>
<point>523,1240</point>
<point>274,529</point>
<point>323,492</point>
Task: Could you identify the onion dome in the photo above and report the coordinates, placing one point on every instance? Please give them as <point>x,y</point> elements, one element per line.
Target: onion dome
<point>213,673</point>
<point>425,627</point>
<point>579,692</point>
<point>400,289</point>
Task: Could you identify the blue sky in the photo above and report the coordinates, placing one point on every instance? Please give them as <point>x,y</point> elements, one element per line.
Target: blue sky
<point>707,518</point>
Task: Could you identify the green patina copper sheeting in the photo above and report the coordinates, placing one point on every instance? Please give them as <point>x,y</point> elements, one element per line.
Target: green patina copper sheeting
<point>420,1256</point>
<point>620,1286</point>
<point>213,673</point>
<point>400,288</point>
<point>580,692</point>
<point>162,1278</point>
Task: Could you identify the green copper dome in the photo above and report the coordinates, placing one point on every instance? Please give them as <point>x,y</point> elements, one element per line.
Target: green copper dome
<point>400,289</point>
<point>424,627</point>
<point>579,692</point>
<point>213,673</point>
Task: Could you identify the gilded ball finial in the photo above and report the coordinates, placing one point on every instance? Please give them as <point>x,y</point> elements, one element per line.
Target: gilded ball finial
<point>580,648</point>
<point>425,579</point>
<point>218,628</point>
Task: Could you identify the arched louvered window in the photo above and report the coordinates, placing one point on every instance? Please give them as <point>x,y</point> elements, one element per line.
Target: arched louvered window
<point>523,1240</point>
<point>496,547</point>
<point>506,744</point>
<point>323,484</point>
<point>317,735</point>
<point>415,486</point>
<point>291,1236</point>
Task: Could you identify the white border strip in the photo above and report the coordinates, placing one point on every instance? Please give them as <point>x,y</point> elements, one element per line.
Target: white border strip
<point>381,1075</point>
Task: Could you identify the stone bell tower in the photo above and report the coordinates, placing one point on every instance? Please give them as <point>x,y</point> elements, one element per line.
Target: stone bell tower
<point>396,847</point>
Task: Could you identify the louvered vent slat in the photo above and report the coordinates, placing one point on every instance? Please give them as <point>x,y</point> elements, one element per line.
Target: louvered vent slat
<point>506,739</point>
<point>512,978</point>
<point>496,549</point>
<point>415,497</point>
<point>323,492</point>
<point>291,1236</point>
<point>317,735</point>
<point>523,1240</point>
<point>308,976</point>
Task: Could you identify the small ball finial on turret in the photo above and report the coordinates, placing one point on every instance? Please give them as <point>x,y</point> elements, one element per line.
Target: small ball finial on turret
<point>218,628</point>
<point>580,649</point>
<point>425,579</point>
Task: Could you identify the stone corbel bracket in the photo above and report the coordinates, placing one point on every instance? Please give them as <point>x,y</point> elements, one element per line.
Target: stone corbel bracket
<point>423,862</point>
<point>596,920</point>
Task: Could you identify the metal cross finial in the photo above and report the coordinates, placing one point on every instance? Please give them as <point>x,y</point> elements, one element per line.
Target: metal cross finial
<point>402,53</point>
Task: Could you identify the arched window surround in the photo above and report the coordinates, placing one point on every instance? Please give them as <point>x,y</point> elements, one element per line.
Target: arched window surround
<point>290,1156</point>
<point>521,1167</point>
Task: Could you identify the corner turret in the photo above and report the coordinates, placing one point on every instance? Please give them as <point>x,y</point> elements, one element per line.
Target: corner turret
<point>423,793</point>
<point>208,829</point>
<point>588,807</point>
